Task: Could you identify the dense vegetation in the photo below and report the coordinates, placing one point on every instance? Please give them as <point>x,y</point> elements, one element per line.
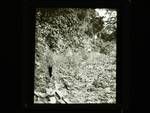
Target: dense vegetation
<point>81,49</point>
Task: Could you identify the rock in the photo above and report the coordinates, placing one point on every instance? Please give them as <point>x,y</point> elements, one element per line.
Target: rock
<point>39,94</point>
<point>38,102</point>
<point>110,101</point>
<point>52,100</point>
<point>49,91</point>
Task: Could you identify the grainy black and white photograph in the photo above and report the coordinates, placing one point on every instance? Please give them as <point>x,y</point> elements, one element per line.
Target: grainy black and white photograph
<point>75,56</point>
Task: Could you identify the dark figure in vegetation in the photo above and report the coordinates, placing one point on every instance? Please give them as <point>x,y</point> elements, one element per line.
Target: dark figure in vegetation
<point>50,71</point>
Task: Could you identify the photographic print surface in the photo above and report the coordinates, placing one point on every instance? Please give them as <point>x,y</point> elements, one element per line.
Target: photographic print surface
<point>75,56</point>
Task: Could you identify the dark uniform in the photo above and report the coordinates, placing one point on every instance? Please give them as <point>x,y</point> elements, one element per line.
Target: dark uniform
<point>50,71</point>
<point>49,61</point>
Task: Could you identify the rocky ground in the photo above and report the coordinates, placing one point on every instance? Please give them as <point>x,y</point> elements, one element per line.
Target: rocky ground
<point>89,78</point>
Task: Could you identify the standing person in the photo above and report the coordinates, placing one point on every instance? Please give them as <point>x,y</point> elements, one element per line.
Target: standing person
<point>49,60</point>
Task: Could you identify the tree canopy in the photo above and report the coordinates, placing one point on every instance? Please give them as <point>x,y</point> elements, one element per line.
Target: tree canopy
<point>70,27</point>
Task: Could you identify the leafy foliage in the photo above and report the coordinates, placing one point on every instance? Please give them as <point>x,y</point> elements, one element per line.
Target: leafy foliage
<point>80,50</point>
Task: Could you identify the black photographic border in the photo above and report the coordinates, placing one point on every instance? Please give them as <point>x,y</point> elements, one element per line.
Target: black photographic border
<point>123,55</point>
